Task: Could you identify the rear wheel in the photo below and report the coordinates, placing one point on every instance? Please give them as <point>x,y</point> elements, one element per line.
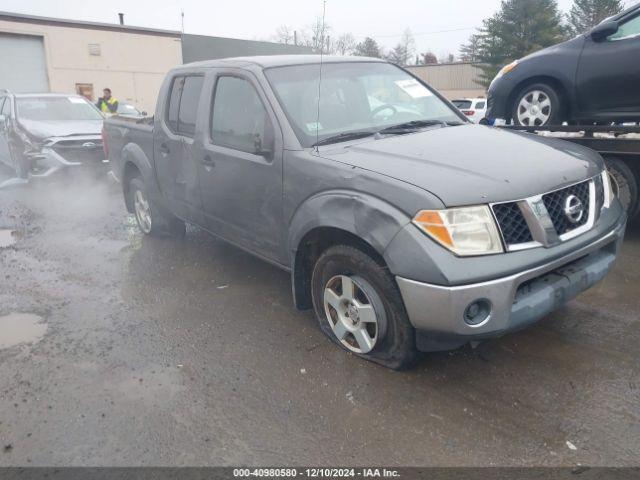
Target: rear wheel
<point>538,105</point>
<point>150,218</point>
<point>359,307</point>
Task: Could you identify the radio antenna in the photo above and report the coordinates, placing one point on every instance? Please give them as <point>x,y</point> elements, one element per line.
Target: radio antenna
<point>324,9</point>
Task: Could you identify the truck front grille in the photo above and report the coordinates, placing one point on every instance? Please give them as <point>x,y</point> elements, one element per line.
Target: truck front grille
<point>556,204</point>
<point>517,219</point>
<point>512,223</point>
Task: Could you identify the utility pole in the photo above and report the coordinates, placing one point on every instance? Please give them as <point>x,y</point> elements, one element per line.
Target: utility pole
<point>295,37</point>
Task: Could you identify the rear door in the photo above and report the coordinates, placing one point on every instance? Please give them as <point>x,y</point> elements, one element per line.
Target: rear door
<point>5,112</point>
<point>240,164</point>
<point>176,169</point>
<point>608,77</point>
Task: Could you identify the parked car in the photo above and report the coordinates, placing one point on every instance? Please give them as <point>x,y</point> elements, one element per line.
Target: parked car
<point>474,108</point>
<point>591,78</point>
<point>129,110</point>
<point>403,231</point>
<point>46,132</point>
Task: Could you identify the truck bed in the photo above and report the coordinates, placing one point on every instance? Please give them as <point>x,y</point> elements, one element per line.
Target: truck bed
<point>121,132</point>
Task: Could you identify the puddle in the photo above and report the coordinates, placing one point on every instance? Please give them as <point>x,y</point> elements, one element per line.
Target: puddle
<point>17,328</point>
<point>7,238</point>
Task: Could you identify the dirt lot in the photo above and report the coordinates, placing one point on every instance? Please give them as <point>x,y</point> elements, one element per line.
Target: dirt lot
<point>189,352</point>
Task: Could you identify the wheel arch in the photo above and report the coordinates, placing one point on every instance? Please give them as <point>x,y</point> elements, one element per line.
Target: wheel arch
<point>134,163</point>
<point>356,219</point>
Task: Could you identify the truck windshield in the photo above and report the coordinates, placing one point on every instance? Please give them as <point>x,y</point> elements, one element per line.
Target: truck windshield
<point>56,108</point>
<point>354,97</point>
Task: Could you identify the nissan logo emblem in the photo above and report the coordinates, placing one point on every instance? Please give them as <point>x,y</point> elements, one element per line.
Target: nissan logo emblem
<point>88,145</point>
<point>573,208</point>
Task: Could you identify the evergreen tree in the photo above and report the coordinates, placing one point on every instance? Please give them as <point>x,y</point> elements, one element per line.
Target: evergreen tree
<point>519,28</point>
<point>586,14</point>
<point>368,48</point>
<point>469,51</point>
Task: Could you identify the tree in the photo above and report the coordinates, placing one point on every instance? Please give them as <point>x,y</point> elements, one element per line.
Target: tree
<point>345,44</point>
<point>519,28</point>
<point>586,14</point>
<point>470,50</point>
<point>368,48</point>
<point>428,58</point>
<point>284,34</point>
<point>402,53</point>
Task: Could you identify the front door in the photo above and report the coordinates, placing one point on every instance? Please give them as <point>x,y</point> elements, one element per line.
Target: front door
<point>241,165</point>
<point>608,77</point>
<point>176,168</point>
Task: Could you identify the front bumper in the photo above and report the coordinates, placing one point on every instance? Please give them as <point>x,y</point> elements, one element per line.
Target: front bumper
<point>498,107</point>
<point>58,153</point>
<point>438,312</point>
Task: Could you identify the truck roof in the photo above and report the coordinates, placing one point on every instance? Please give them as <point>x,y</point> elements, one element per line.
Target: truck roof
<point>267,61</point>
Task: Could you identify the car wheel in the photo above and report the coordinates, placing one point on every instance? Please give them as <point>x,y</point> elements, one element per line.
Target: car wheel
<point>537,105</point>
<point>625,184</point>
<point>21,164</point>
<point>359,307</point>
<point>150,218</point>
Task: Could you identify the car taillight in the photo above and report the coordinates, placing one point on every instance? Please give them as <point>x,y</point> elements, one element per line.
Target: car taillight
<point>105,147</point>
<point>468,113</point>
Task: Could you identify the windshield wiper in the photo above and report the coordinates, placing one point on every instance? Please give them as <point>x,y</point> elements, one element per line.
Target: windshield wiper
<point>342,137</point>
<point>411,126</point>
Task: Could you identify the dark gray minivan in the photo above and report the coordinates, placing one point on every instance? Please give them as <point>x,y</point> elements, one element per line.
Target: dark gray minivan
<point>403,225</point>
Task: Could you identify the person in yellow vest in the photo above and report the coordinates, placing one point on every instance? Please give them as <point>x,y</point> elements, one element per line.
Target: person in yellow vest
<point>107,103</point>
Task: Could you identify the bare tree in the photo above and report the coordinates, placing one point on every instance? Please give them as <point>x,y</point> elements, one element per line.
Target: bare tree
<point>428,58</point>
<point>284,34</point>
<point>403,52</point>
<point>345,44</point>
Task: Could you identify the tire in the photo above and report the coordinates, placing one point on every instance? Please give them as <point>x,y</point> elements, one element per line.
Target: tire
<point>551,113</point>
<point>151,219</point>
<point>21,164</point>
<point>375,293</point>
<point>626,183</point>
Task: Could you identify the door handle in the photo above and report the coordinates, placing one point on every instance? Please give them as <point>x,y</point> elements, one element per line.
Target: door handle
<point>208,163</point>
<point>164,149</point>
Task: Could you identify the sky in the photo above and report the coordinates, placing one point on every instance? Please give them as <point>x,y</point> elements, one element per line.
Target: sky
<point>438,25</point>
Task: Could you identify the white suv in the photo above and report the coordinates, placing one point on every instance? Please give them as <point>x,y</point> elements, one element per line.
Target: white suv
<point>474,109</point>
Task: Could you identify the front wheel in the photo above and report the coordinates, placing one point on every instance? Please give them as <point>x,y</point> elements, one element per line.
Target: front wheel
<point>359,307</point>
<point>150,218</point>
<point>538,105</point>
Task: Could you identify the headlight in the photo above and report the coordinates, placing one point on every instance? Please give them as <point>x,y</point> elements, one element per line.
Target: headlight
<point>507,68</point>
<point>610,188</point>
<point>464,231</point>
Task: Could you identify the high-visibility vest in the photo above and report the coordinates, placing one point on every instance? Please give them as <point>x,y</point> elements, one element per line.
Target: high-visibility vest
<point>104,104</point>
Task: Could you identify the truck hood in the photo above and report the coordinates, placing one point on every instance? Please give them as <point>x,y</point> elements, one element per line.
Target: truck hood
<point>472,164</point>
<point>64,128</point>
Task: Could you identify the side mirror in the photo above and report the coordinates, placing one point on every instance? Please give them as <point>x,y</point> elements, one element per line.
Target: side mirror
<point>262,147</point>
<point>604,30</point>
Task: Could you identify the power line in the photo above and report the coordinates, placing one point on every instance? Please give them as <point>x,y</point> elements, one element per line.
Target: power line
<point>417,34</point>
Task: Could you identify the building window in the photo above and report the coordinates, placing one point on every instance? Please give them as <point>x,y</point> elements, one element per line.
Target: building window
<point>94,49</point>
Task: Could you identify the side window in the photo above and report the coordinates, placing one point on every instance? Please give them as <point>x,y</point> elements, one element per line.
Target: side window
<point>629,29</point>
<point>174,103</point>
<point>239,119</point>
<point>188,111</point>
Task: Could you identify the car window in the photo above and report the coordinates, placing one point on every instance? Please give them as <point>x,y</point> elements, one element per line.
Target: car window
<point>189,100</point>
<point>239,119</point>
<point>174,103</point>
<point>629,29</point>
<point>462,104</point>
<point>480,105</point>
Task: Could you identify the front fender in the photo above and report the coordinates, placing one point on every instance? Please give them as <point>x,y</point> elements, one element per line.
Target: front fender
<point>368,217</point>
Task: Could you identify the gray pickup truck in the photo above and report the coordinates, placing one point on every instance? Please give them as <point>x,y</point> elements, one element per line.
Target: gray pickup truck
<point>405,227</point>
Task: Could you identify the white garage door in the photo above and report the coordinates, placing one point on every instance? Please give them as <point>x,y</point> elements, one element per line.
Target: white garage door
<point>22,68</point>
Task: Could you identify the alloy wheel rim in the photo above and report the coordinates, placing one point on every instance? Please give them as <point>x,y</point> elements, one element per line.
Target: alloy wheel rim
<point>143,211</point>
<point>534,108</point>
<point>351,314</point>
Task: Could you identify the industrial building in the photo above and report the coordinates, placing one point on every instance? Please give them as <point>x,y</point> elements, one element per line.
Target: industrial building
<point>453,80</point>
<point>41,54</point>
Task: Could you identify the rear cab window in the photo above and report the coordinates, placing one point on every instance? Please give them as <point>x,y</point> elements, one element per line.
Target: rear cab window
<point>182,109</point>
<point>462,104</point>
